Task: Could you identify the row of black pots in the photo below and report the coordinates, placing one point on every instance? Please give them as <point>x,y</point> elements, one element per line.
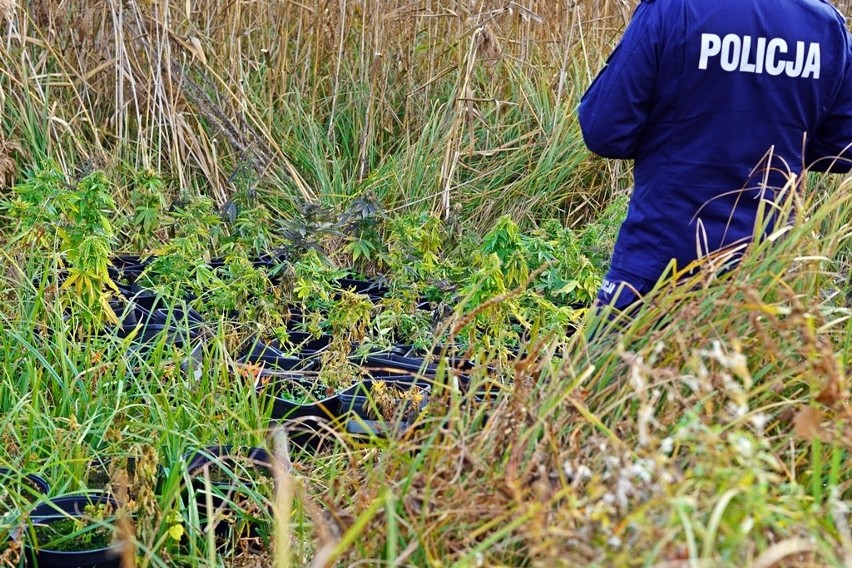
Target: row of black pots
<point>128,269</point>
<point>309,411</point>
<point>222,486</point>
<point>303,347</point>
<point>307,408</point>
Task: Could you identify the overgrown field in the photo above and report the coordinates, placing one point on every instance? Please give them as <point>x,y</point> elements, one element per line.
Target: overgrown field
<point>223,168</point>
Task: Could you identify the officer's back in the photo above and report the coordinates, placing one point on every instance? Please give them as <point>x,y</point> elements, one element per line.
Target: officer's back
<point>707,96</point>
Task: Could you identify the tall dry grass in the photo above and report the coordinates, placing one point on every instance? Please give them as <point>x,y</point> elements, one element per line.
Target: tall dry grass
<point>222,95</point>
<point>711,430</point>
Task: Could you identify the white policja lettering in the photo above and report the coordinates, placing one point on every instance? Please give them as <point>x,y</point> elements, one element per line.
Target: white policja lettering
<point>771,56</point>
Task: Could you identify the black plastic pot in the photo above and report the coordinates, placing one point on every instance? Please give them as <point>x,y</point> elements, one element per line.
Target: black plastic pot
<point>126,268</point>
<point>141,307</point>
<point>273,263</point>
<point>268,261</point>
<point>147,311</point>
<point>223,456</point>
<point>284,390</point>
<point>28,486</point>
<point>295,317</point>
<point>306,343</point>
<point>142,297</point>
<point>393,363</point>
<point>217,262</point>
<point>99,470</point>
<point>128,261</point>
<point>188,321</point>
<point>404,350</point>
<point>270,357</point>
<point>453,360</point>
<point>35,484</point>
<point>150,334</point>
<point>125,311</point>
<point>357,401</point>
<point>151,307</point>
<point>309,434</point>
<point>180,316</point>
<point>63,508</point>
<point>224,493</point>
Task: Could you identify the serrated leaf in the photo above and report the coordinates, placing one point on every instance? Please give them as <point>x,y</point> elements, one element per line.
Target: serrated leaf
<point>568,287</point>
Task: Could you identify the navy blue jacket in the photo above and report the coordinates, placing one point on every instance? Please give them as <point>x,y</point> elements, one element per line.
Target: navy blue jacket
<point>707,96</point>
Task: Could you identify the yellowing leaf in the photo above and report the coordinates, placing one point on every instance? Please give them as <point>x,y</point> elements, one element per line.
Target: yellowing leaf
<point>176,532</point>
<point>69,282</point>
<point>108,311</point>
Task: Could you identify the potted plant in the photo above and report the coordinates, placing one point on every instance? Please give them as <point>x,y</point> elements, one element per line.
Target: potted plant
<point>308,434</point>
<point>268,356</point>
<point>75,531</point>
<point>398,364</point>
<point>17,490</point>
<point>126,268</point>
<point>102,473</point>
<point>379,406</point>
<point>147,317</point>
<point>299,397</point>
<point>303,406</point>
<point>235,481</point>
<point>372,288</point>
<point>307,344</point>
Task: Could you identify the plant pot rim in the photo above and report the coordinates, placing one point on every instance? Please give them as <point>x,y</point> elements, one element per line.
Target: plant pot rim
<point>377,428</point>
<point>12,473</point>
<point>297,380</point>
<point>90,497</point>
<point>195,459</point>
<point>327,407</point>
<point>410,381</point>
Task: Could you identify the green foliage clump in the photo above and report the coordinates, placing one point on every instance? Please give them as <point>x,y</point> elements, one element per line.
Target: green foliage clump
<point>73,223</point>
<point>567,277</point>
<point>148,203</point>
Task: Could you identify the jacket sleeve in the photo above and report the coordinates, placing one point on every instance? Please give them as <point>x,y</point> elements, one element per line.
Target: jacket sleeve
<point>829,149</point>
<point>615,108</point>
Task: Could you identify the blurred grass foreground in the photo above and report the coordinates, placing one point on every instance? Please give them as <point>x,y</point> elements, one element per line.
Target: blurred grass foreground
<point>252,154</point>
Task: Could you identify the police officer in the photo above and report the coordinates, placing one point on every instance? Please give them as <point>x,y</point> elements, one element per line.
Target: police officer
<point>718,102</point>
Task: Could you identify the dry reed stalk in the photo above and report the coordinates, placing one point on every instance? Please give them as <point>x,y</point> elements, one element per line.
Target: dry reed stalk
<point>452,153</point>
<point>123,60</point>
<point>339,62</point>
<point>283,499</point>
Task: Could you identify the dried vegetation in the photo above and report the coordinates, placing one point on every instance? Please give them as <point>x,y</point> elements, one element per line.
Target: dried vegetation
<point>712,430</point>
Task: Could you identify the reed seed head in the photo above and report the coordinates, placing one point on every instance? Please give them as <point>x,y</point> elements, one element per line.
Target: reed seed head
<point>8,7</point>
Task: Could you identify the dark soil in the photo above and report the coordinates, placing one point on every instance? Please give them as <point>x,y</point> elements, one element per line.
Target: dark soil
<point>71,535</point>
